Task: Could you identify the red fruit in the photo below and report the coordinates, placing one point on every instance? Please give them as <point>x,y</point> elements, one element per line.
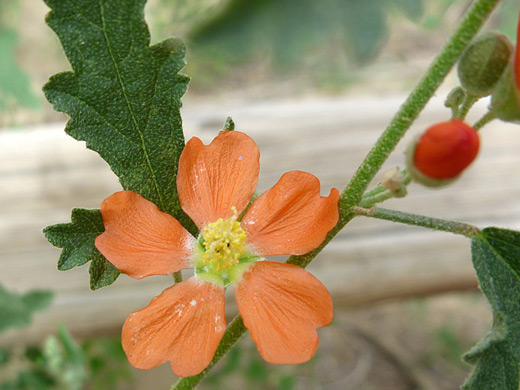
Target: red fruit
<point>446,149</point>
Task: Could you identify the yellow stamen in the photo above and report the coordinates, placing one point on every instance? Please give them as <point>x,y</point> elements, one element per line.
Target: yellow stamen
<point>224,243</point>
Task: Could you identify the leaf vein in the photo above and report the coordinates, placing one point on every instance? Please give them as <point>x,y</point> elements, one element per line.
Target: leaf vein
<point>120,80</point>
<point>78,11</point>
<point>102,117</point>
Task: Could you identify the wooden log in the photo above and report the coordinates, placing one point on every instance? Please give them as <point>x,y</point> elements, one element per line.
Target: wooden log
<point>44,173</point>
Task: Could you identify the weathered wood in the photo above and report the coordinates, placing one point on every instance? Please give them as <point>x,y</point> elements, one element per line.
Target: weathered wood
<point>44,173</point>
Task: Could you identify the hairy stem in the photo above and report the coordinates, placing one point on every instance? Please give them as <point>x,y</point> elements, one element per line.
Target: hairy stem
<point>381,193</point>
<point>372,163</point>
<point>459,228</point>
<point>488,117</point>
<point>417,100</point>
<point>469,102</point>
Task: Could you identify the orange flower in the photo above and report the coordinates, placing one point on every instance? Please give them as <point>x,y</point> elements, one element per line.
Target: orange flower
<point>282,305</point>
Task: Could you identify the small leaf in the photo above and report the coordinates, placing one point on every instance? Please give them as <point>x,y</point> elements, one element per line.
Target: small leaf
<point>229,124</point>
<point>37,300</point>
<point>65,360</point>
<point>496,258</point>
<point>16,310</point>
<point>102,272</point>
<point>77,239</point>
<point>73,353</point>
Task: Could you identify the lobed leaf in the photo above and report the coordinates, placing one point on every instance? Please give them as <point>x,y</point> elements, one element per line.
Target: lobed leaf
<point>496,258</point>
<point>77,239</point>
<point>123,96</point>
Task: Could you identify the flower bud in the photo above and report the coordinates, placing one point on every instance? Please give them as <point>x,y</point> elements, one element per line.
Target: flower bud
<point>392,180</point>
<point>455,98</point>
<point>442,153</point>
<point>483,62</point>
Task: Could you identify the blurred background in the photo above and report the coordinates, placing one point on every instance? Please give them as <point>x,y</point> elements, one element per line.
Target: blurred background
<point>314,83</point>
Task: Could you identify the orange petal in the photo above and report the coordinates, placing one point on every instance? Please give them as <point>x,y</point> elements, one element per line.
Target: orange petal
<point>183,325</point>
<point>140,240</point>
<point>282,305</point>
<point>213,178</point>
<point>291,218</point>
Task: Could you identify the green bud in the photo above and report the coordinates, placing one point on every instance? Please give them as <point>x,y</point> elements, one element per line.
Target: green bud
<point>483,62</point>
<point>455,98</point>
<point>505,100</point>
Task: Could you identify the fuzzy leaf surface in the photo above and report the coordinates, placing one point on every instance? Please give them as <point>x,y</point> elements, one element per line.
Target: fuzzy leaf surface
<point>496,258</point>
<point>77,239</point>
<point>123,96</point>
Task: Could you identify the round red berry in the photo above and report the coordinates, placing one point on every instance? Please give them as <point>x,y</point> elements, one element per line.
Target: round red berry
<point>446,149</point>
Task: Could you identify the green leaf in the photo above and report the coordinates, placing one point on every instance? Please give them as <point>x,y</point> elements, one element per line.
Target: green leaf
<point>35,380</point>
<point>286,382</point>
<point>15,86</point>
<point>414,9</point>
<point>123,96</point>
<point>65,360</point>
<point>291,30</point>
<point>229,124</point>
<point>365,28</point>
<point>9,386</point>
<point>34,355</point>
<point>5,355</point>
<point>73,353</point>
<point>102,272</point>
<point>16,310</point>
<point>496,258</point>
<point>77,239</point>
<point>108,364</point>
<point>256,371</point>
<point>37,300</point>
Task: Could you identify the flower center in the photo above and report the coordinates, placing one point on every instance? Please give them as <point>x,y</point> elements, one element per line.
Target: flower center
<point>224,243</point>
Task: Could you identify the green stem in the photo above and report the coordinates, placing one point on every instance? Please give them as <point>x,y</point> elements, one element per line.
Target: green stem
<point>454,100</point>
<point>459,228</point>
<point>488,117</point>
<point>380,193</point>
<point>469,102</point>
<point>417,100</point>
<point>354,190</point>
